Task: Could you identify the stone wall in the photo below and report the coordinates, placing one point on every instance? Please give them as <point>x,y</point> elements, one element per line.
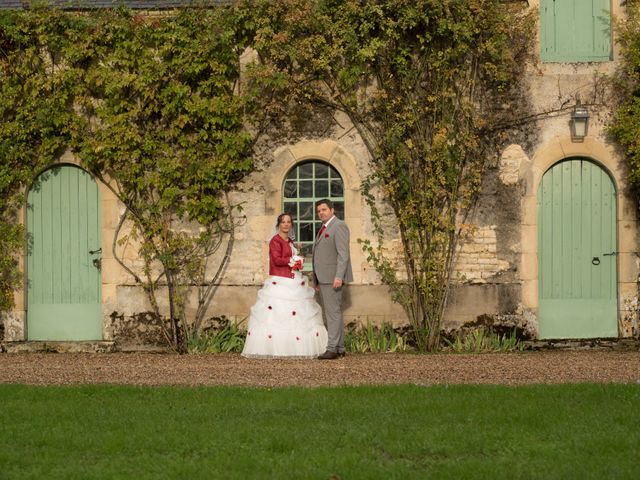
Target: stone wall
<point>496,273</point>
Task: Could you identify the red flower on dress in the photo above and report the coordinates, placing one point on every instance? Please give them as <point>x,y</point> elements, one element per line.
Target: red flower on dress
<point>298,338</point>
<point>326,235</point>
<point>301,283</point>
<point>317,334</point>
<point>269,336</point>
<point>269,307</point>
<point>293,313</point>
<point>274,283</point>
<point>249,333</point>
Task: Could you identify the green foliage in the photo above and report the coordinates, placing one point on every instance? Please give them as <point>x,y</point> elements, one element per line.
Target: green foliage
<point>624,125</point>
<point>227,337</point>
<point>484,340</point>
<point>35,123</point>
<point>162,117</point>
<point>374,339</point>
<point>423,83</point>
<point>151,106</point>
<point>11,240</point>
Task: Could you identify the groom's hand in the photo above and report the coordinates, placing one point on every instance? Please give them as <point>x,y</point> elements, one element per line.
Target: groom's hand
<point>337,283</point>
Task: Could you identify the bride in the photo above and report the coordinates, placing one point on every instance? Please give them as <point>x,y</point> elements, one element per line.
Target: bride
<point>285,321</point>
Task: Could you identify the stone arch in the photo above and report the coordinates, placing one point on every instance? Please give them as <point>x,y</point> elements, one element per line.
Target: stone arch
<point>331,152</point>
<point>15,324</point>
<point>546,156</point>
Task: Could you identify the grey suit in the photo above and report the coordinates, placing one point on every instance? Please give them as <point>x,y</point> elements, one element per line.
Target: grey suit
<point>331,260</point>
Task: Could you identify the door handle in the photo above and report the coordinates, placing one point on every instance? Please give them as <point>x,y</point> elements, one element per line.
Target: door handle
<point>93,252</point>
<point>595,261</point>
<point>609,254</point>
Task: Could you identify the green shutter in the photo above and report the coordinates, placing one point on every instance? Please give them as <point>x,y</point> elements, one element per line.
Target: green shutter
<point>575,30</point>
<point>63,288</point>
<point>577,223</point>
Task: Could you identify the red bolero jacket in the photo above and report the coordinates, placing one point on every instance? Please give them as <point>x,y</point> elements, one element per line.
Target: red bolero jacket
<point>280,254</point>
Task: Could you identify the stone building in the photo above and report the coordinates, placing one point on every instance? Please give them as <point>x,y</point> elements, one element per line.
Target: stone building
<point>551,245</point>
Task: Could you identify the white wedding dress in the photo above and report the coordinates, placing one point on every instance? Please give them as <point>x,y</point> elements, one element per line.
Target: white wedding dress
<point>286,321</point>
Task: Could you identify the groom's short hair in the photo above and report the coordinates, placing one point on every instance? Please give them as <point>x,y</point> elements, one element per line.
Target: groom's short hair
<point>326,201</point>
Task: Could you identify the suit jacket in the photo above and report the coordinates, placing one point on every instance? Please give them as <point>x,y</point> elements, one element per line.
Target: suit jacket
<point>280,254</point>
<point>331,257</point>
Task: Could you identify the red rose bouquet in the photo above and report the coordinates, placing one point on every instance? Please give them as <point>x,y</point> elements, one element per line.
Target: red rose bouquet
<point>296,262</point>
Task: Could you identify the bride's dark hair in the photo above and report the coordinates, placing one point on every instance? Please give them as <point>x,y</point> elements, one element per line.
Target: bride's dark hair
<point>281,216</point>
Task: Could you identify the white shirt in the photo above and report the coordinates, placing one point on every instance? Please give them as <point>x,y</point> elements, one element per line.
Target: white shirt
<point>328,222</point>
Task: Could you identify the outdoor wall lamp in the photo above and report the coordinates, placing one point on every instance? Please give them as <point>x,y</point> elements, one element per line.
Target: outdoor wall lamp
<point>579,121</point>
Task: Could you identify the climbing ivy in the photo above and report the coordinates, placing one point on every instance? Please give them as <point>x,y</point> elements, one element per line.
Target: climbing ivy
<point>150,104</point>
<point>35,119</point>
<point>624,125</point>
<point>425,83</point>
<point>625,122</point>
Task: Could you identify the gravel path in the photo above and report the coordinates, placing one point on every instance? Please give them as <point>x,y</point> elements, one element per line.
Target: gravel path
<point>232,369</point>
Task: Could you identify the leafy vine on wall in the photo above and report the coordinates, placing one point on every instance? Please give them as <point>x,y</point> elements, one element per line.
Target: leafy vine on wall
<point>150,105</point>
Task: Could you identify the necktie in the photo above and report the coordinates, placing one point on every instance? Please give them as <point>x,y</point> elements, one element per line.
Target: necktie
<point>321,231</point>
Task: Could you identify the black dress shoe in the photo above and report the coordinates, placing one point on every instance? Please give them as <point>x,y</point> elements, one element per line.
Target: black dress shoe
<point>328,355</point>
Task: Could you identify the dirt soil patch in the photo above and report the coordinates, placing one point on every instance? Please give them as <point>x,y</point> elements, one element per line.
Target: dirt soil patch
<point>356,369</point>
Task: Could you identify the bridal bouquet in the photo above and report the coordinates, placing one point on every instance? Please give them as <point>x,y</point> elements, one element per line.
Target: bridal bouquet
<point>296,262</point>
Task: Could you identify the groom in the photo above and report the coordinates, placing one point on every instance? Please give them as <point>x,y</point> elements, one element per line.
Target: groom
<point>331,270</point>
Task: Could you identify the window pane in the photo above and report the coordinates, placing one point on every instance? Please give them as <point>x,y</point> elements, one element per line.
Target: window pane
<point>306,170</point>
<point>293,174</point>
<point>306,211</point>
<point>306,189</point>
<point>322,188</point>
<point>305,184</point>
<point>290,189</point>
<point>291,208</point>
<point>306,232</point>
<point>337,189</point>
<point>322,170</point>
<point>305,251</point>
<point>339,209</point>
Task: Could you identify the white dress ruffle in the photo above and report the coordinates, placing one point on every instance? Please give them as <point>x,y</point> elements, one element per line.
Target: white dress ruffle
<point>285,321</point>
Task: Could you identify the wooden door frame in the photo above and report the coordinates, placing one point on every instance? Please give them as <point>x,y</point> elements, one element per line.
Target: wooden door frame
<point>567,324</point>
<point>531,171</point>
<point>63,164</point>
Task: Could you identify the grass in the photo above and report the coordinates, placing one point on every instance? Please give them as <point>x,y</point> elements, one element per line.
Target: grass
<point>119,432</point>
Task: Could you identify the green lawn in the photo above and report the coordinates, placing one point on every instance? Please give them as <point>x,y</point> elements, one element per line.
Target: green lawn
<point>547,432</point>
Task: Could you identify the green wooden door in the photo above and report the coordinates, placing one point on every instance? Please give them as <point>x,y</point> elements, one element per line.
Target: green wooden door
<point>63,289</point>
<point>576,252</point>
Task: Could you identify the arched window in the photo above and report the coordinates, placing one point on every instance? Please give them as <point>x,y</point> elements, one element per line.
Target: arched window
<point>305,184</point>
